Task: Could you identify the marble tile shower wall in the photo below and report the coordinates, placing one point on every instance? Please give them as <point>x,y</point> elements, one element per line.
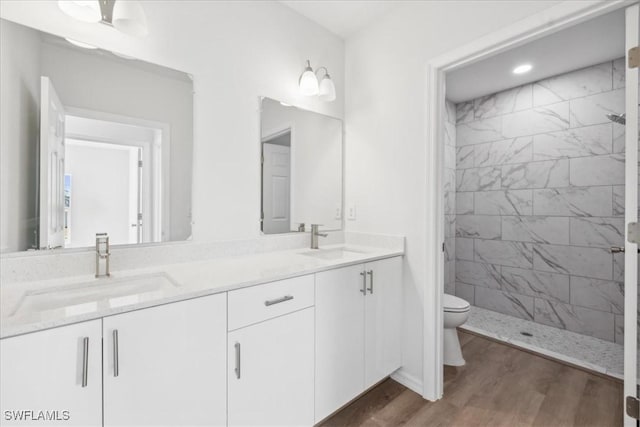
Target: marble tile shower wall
<point>540,199</point>
<point>450,198</point>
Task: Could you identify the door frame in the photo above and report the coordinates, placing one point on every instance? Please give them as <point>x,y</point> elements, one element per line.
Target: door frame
<point>632,16</point>
<point>157,210</point>
<point>556,18</point>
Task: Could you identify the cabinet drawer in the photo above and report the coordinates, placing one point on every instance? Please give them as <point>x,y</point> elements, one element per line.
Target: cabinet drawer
<point>262,302</point>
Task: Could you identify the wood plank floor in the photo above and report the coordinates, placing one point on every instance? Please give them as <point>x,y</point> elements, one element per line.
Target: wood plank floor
<point>499,386</point>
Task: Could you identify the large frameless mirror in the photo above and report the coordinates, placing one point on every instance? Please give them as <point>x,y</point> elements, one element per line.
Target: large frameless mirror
<point>301,169</point>
<point>92,142</point>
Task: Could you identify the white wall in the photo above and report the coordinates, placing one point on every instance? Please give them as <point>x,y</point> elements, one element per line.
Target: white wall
<point>385,132</point>
<point>19,134</point>
<point>316,163</point>
<point>236,52</point>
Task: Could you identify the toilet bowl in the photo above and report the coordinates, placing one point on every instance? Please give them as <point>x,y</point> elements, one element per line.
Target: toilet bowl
<point>456,312</point>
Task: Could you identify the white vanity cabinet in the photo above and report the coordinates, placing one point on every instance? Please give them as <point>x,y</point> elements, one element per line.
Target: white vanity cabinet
<point>53,370</point>
<point>270,357</point>
<point>166,365</point>
<point>358,327</point>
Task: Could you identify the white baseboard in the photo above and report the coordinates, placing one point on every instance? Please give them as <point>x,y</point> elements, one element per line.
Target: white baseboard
<point>408,380</point>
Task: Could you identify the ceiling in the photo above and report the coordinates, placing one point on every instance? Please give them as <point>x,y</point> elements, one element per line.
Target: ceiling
<point>598,40</point>
<point>343,18</point>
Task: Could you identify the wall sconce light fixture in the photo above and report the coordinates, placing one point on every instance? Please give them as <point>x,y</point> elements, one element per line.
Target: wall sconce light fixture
<point>127,16</point>
<point>309,86</point>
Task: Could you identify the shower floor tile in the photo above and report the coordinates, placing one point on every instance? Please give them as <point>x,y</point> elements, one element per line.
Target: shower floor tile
<point>580,350</point>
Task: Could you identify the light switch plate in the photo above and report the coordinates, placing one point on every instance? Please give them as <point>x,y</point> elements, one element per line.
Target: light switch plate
<point>351,213</point>
<point>338,213</point>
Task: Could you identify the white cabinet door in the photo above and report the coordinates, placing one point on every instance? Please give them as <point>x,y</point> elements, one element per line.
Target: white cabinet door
<point>339,338</point>
<point>383,319</point>
<point>56,370</point>
<point>270,373</point>
<point>168,367</point>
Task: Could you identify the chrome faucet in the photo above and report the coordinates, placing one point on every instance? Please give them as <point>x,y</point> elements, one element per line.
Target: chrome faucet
<point>315,234</point>
<point>102,252</point>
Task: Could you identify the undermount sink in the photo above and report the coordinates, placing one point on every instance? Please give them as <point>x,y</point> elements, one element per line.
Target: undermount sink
<point>332,253</point>
<point>83,297</point>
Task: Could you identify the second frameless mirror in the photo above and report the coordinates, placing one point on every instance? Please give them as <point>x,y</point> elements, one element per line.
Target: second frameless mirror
<point>301,169</point>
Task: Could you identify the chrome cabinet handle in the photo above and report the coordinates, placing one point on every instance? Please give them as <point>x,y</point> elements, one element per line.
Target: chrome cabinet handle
<point>237,346</point>
<point>364,283</point>
<point>370,273</point>
<point>278,300</point>
<point>116,362</point>
<point>85,361</point>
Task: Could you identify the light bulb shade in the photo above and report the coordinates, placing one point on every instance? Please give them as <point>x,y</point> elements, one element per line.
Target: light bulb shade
<point>82,10</point>
<point>129,17</point>
<point>308,83</point>
<point>327,90</point>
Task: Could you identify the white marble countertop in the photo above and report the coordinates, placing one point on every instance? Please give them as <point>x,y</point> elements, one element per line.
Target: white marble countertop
<point>89,299</point>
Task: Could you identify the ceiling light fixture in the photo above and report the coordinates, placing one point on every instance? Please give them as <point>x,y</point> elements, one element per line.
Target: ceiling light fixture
<point>127,16</point>
<point>80,44</point>
<point>308,84</point>
<point>521,69</point>
<point>82,10</point>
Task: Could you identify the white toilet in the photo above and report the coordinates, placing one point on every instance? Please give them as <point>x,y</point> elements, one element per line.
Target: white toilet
<point>456,312</point>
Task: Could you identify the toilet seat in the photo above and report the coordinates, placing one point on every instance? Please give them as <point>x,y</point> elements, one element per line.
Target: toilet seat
<point>453,304</point>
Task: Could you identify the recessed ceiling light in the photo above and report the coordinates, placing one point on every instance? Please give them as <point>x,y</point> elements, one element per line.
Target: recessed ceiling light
<point>80,44</point>
<point>521,69</point>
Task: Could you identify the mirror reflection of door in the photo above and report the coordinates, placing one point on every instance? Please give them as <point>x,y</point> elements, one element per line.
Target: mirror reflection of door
<point>105,193</point>
<point>52,164</point>
<point>98,173</point>
<point>276,183</point>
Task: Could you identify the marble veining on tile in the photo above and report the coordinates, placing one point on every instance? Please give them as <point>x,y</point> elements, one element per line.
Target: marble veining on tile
<point>477,273</point>
<point>573,201</point>
<point>504,202</point>
<point>575,260</point>
<point>619,68</point>
<point>578,142</point>
<point>594,323</point>
<point>549,118</point>
<point>482,226</point>
<point>536,283</point>
<point>478,179</point>
<point>597,170</point>
<point>603,295</point>
<point>464,249</point>
<point>536,229</point>
<point>464,112</point>
<point>510,254</point>
<point>480,131</point>
<point>465,157</point>
<point>576,84</point>
<point>545,174</point>
<point>521,306</point>
<point>592,110</point>
<point>515,150</point>
<point>508,101</point>
<point>602,232</point>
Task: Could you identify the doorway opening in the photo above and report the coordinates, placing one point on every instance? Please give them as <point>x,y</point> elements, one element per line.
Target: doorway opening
<point>488,176</point>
